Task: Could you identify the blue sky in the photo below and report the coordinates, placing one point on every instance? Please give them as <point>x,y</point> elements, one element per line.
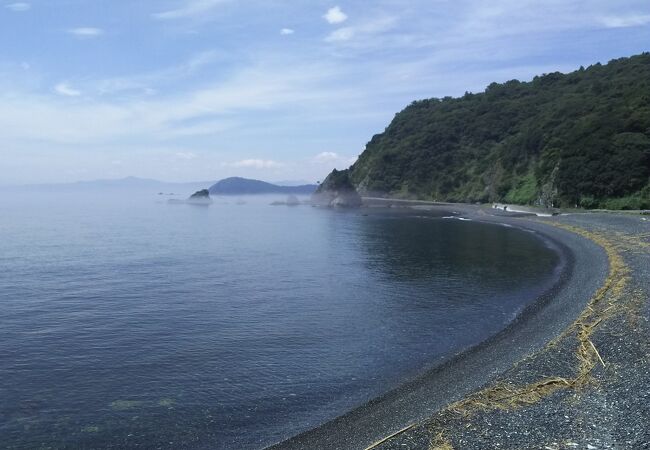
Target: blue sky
<point>184,90</point>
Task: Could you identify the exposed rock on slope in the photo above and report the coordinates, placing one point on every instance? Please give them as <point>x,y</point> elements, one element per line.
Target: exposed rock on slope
<point>337,190</point>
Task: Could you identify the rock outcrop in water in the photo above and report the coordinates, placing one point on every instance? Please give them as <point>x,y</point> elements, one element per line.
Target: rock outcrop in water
<point>203,193</point>
<point>292,200</point>
<point>201,197</point>
<point>337,191</point>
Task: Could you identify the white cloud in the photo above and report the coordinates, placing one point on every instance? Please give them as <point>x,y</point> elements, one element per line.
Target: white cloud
<point>326,157</point>
<point>340,35</point>
<point>335,15</point>
<point>202,110</point>
<point>86,32</point>
<point>200,60</point>
<point>625,21</point>
<point>334,159</point>
<point>187,155</point>
<point>65,89</point>
<point>143,83</point>
<point>19,6</point>
<point>369,28</point>
<point>484,21</point>
<point>286,31</point>
<point>191,8</point>
<point>255,164</point>
<point>203,128</point>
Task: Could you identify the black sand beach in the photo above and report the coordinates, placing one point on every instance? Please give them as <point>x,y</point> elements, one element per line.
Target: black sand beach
<point>570,372</point>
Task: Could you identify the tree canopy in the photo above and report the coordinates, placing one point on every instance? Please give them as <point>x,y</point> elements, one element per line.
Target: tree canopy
<point>581,138</point>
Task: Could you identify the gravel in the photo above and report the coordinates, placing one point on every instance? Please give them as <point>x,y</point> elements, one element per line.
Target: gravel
<point>612,411</point>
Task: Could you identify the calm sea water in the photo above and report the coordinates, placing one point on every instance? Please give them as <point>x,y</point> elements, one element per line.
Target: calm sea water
<point>128,322</point>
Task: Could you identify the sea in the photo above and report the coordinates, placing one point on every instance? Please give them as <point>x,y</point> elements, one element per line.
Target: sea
<point>130,322</point>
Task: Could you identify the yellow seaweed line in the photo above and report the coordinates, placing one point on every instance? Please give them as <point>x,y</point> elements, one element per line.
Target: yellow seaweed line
<point>389,437</point>
<point>440,442</point>
<point>506,396</point>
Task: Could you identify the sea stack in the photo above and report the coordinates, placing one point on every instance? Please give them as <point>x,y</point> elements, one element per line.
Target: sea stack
<point>337,191</point>
<point>201,197</point>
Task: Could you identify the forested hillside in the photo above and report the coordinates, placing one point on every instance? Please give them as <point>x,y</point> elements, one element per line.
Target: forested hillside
<point>562,139</point>
<point>245,186</point>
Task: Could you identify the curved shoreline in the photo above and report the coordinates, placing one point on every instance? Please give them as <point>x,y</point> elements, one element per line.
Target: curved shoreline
<point>585,269</point>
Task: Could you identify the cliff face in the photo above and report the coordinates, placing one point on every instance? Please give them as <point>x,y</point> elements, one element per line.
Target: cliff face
<point>560,140</point>
<point>337,190</point>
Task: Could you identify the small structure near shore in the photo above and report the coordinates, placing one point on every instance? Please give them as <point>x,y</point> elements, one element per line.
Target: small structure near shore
<point>544,212</point>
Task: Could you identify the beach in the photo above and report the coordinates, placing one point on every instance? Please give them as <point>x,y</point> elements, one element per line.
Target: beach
<point>570,372</point>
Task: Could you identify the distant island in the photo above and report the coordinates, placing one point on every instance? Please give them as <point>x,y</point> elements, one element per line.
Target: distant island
<point>227,186</point>
<point>562,140</point>
<point>245,186</point>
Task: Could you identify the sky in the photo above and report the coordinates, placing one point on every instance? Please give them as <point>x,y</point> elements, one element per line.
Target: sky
<point>198,90</point>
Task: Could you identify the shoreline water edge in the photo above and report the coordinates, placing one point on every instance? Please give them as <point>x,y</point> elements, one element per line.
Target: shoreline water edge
<point>583,268</point>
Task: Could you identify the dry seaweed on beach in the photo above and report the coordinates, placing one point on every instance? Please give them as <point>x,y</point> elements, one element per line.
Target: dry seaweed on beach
<point>595,408</point>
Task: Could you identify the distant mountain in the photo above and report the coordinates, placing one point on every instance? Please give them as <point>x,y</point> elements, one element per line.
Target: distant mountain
<point>129,183</point>
<point>244,186</point>
<point>291,183</point>
<point>228,186</point>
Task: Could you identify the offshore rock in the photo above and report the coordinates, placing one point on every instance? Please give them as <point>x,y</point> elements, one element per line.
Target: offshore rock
<point>201,197</point>
<point>337,191</point>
